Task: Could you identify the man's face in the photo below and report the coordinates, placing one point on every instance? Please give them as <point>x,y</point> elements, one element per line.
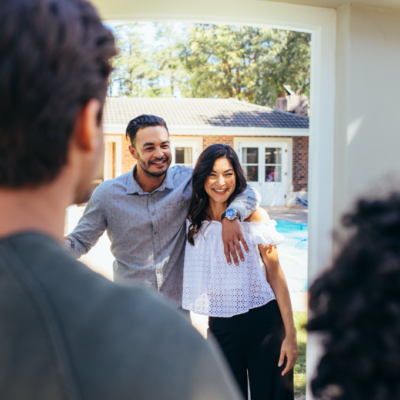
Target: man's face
<point>152,150</point>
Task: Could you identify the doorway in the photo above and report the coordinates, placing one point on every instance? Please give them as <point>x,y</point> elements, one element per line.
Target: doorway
<point>265,165</point>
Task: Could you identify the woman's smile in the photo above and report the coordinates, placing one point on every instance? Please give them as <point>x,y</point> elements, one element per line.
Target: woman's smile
<point>220,191</point>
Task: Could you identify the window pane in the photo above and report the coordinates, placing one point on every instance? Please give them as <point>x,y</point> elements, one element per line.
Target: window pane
<point>273,155</point>
<point>183,155</point>
<point>273,174</point>
<point>250,155</point>
<point>252,172</point>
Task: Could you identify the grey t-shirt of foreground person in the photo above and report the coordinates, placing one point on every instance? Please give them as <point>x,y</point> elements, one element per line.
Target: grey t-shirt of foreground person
<point>68,333</point>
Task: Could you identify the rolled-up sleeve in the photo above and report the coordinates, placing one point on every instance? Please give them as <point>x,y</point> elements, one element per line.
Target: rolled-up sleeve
<point>247,202</point>
<point>90,227</point>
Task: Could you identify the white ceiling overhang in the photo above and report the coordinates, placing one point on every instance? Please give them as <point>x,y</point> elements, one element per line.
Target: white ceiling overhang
<point>392,4</point>
<point>145,10</point>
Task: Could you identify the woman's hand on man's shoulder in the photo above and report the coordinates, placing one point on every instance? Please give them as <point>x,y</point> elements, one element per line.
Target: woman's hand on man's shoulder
<point>260,215</point>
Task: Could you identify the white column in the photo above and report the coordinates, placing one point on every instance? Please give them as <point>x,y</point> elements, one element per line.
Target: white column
<point>367,131</point>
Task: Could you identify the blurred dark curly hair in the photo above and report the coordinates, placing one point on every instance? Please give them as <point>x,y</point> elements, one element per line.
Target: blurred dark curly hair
<point>356,307</point>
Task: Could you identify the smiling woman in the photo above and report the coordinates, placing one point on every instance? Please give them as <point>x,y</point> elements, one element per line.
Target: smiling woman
<point>217,182</point>
<point>248,306</point>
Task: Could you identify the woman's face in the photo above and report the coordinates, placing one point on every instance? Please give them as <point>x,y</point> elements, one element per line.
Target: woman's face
<point>221,182</point>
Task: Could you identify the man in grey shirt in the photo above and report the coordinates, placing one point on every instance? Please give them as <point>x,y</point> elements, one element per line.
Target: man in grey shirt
<point>67,333</point>
<point>144,212</point>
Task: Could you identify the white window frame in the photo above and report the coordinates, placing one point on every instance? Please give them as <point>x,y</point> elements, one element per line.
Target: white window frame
<point>195,142</point>
<point>117,139</point>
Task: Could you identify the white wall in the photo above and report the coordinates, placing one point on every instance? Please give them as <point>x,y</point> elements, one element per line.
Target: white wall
<point>367,125</point>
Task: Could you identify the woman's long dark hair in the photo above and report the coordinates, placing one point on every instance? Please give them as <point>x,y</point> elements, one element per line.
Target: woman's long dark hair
<point>201,171</point>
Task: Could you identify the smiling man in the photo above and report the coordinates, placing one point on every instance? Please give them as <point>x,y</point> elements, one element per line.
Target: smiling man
<point>144,212</point>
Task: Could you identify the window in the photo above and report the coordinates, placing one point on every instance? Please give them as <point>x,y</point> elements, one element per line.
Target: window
<point>184,156</point>
<point>185,150</point>
<point>250,163</point>
<point>273,164</point>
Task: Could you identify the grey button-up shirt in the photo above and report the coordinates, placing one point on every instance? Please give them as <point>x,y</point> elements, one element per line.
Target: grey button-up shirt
<point>147,230</point>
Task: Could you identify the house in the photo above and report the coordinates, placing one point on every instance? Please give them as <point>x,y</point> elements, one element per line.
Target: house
<point>272,145</point>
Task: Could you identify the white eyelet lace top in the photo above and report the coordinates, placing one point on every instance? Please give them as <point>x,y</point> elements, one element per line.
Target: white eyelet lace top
<point>213,287</point>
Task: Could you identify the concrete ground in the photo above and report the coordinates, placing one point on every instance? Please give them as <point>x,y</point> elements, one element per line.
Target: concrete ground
<point>294,214</point>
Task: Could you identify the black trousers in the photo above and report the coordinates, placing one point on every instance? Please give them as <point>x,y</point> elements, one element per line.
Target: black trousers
<point>252,343</point>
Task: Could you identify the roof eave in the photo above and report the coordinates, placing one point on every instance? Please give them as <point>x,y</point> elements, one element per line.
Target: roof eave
<point>207,130</point>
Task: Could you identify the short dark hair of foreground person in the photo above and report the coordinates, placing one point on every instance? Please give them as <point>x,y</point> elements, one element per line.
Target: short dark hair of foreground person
<point>356,307</point>
<point>54,59</point>
<point>65,331</point>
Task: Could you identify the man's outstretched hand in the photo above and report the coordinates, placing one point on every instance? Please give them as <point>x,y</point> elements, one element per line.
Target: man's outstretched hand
<point>233,238</point>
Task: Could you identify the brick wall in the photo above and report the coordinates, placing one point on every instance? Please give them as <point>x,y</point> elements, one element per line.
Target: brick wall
<point>300,164</point>
<point>208,140</point>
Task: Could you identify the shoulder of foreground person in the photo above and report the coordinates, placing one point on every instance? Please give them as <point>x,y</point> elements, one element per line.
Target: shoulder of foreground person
<point>97,339</point>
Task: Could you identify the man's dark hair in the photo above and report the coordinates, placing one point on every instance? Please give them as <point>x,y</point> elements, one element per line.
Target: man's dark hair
<point>140,122</point>
<point>54,57</point>
<point>356,306</point>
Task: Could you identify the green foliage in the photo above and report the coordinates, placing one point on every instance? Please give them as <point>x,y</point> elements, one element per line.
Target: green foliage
<point>300,319</point>
<point>247,63</point>
<point>132,68</point>
<point>212,61</point>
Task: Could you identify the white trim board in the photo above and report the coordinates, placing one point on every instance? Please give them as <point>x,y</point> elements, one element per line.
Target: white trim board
<point>118,129</point>
<point>118,154</point>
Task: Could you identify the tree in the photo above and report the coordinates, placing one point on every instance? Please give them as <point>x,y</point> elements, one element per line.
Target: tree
<point>131,66</point>
<point>248,63</point>
<point>211,61</point>
<point>166,60</point>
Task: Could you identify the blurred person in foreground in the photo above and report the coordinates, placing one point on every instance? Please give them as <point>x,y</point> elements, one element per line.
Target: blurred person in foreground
<point>66,332</point>
<point>356,307</point>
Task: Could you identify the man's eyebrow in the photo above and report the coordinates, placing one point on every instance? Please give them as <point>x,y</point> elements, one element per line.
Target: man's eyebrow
<point>152,144</point>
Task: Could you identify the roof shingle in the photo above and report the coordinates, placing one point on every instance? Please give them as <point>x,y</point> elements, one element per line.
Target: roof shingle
<point>201,112</point>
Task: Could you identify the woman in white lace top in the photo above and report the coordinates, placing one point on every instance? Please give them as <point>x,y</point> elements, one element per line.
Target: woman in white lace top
<point>248,305</point>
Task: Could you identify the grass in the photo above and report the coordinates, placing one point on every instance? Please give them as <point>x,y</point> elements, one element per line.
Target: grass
<point>300,318</point>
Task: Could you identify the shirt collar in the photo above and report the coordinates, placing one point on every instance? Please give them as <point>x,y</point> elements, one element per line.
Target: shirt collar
<point>133,187</point>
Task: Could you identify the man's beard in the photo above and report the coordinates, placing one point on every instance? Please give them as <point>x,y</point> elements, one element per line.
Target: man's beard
<point>145,167</point>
